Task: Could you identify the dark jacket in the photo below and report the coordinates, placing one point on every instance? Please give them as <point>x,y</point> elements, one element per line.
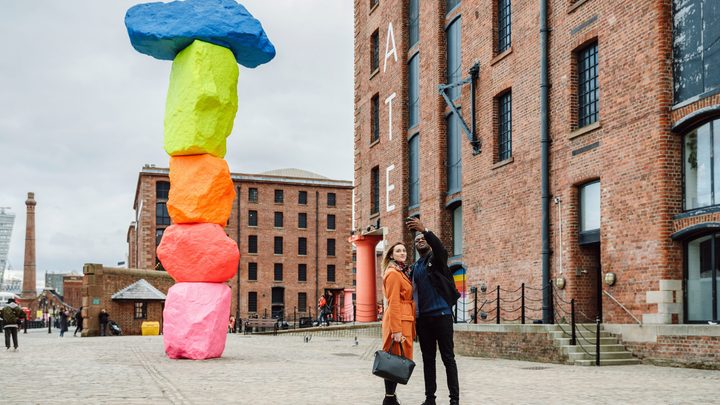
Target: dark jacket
<point>438,271</point>
<point>104,316</point>
<point>11,314</point>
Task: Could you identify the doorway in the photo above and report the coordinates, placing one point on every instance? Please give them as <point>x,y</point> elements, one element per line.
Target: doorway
<point>702,280</point>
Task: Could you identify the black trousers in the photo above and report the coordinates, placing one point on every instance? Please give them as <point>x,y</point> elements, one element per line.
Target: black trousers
<point>436,332</point>
<point>10,331</point>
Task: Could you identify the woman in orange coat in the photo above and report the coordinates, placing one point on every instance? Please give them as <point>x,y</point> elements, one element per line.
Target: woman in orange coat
<point>398,323</point>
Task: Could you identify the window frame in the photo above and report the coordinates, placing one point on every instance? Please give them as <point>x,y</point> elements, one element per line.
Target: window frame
<point>302,197</point>
<point>331,270</point>
<point>302,272</point>
<point>453,166</point>
<point>278,248</point>
<point>588,102</point>
<point>331,225</point>
<point>279,197</point>
<point>504,26</point>
<point>252,301</point>
<point>331,252</point>
<point>413,19</point>
<point>252,244</point>
<point>331,199</point>
<point>253,195</point>
<point>252,270</point>
<point>302,246</point>
<point>302,215</point>
<point>413,101</point>
<point>277,271</point>
<point>375,118</point>
<point>278,219</point>
<point>142,308</point>
<point>375,191</point>
<point>375,51</point>
<point>588,236</point>
<point>252,218</point>
<point>504,126</point>
<point>414,170</point>
<point>453,73</point>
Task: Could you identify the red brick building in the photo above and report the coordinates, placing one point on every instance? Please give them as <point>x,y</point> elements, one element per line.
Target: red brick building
<point>292,229</point>
<point>633,112</point>
<point>72,290</point>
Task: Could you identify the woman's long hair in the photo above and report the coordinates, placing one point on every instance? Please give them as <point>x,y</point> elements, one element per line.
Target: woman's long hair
<point>387,256</point>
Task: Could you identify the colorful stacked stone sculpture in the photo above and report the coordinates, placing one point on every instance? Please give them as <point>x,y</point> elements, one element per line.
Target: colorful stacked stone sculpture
<point>205,39</point>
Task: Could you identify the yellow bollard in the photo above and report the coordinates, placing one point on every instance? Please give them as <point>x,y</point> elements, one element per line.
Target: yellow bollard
<point>150,328</point>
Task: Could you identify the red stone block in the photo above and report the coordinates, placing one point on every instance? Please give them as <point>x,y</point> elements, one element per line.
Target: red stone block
<point>198,253</point>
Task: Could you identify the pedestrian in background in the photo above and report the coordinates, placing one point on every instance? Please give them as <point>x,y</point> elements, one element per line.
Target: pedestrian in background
<point>11,315</point>
<point>78,322</point>
<point>435,294</point>
<point>63,321</point>
<point>398,323</point>
<point>104,317</point>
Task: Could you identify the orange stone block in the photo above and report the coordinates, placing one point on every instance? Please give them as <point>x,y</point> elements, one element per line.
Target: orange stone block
<point>198,253</point>
<point>201,190</point>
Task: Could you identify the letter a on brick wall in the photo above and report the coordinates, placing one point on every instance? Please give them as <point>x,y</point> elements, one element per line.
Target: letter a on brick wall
<point>388,52</point>
<point>388,188</point>
<point>388,101</point>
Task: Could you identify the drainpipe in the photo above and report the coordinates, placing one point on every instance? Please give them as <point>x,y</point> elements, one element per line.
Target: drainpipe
<point>547,307</point>
<point>317,246</point>
<point>237,312</point>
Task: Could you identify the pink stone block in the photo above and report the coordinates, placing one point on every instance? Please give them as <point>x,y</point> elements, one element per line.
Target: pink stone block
<point>198,253</point>
<point>195,320</point>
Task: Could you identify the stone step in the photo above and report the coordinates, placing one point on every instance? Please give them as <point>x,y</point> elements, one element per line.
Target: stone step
<point>591,348</point>
<point>603,341</point>
<point>603,355</point>
<point>561,334</point>
<point>608,362</point>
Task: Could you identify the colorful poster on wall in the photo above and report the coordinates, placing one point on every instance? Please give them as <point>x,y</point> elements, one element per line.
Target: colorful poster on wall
<point>463,305</point>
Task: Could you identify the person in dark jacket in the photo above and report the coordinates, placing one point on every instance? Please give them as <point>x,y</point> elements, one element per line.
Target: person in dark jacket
<point>11,315</point>
<point>104,317</point>
<point>434,293</point>
<point>78,322</point>
<point>63,322</point>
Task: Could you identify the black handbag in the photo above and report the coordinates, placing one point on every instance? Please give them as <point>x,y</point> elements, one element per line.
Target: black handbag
<point>393,367</point>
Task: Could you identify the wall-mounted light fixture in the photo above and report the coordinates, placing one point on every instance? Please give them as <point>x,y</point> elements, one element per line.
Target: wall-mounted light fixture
<point>483,288</point>
<point>560,283</point>
<point>610,278</point>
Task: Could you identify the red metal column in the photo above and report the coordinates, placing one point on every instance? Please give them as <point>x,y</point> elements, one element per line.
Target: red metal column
<point>365,297</point>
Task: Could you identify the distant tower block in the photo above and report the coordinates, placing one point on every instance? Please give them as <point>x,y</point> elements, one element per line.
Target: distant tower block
<point>7,220</point>
<point>28,291</point>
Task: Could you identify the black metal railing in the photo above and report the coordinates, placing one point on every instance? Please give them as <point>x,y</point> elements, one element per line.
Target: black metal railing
<point>298,319</point>
<point>528,302</point>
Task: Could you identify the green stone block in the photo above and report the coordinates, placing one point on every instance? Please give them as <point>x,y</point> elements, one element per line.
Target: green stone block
<point>201,101</point>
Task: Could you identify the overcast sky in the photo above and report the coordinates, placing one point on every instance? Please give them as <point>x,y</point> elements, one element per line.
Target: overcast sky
<point>81,112</point>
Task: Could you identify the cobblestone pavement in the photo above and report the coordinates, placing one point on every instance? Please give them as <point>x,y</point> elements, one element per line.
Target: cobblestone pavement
<point>286,370</point>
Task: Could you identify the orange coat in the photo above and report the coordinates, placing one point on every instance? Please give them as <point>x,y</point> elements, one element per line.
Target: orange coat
<point>399,315</point>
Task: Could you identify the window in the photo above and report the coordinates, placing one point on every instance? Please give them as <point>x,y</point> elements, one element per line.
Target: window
<point>695,47</point>
<point>413,23</point>
<point>278,272</point>
<point>331,247</point>
<point>253,195</point>
<point>302,220</point>
<point>252,271</point>
<point>454,58</point>
<point>302,246</point>
<point>252,218</point>
<point>503,25</point>
<point>331,222</point>
<point>588,94</point>
<point>703,279</point>
<point>279,196</point>
<point>331,273</point>
<point>252,244</point>
<point>278,245</point>
<point>414,91</point>
<point>590,213</point>
<point>331,199</point>
<point>141,310</point>
<point>375,51</point>
<point>158,236</point>
<point>252,301</point>
<point>375,118</point>
<point>162,217</point>
<point>702,174</point>
<point>375,190</point>
<point>450,5</point>
<point>457,231</point>
<point>162,190</point>
<point>302,197</point>
<point>302,302</point>
<point>504,130</point>
<point>454,154</point>
<point>414,171</point>
<point>302,272</point>
<point>278,219</point>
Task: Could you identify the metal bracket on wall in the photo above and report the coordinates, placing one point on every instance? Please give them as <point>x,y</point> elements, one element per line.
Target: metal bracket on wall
<point>472,79</point>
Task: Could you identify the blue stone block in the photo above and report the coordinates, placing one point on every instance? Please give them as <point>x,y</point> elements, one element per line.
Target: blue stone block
<point>161,30</point>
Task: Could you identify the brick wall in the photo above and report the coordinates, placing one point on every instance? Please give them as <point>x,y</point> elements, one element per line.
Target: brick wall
<point>631,149</point>
<point>100,283</point>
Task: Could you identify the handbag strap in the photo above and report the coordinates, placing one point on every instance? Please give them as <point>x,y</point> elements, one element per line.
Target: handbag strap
<point>402,350</point>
